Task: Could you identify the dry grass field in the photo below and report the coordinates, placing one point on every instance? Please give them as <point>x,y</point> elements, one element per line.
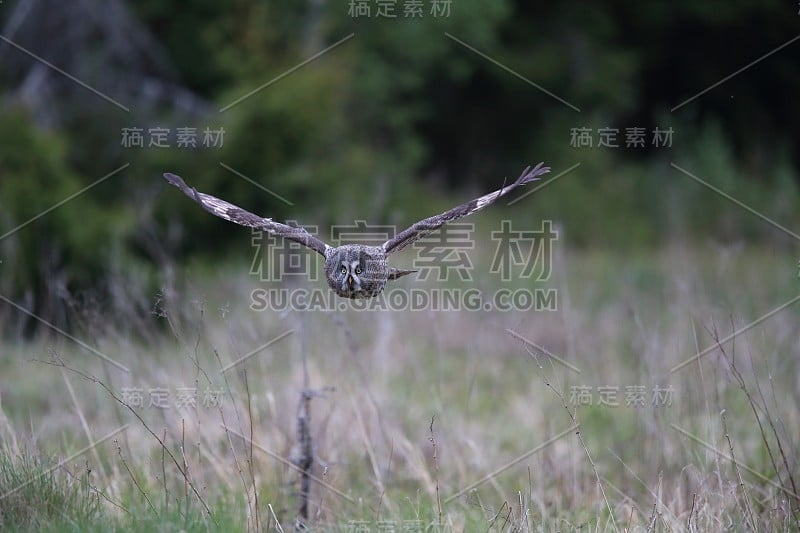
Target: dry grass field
<point>425,420</point>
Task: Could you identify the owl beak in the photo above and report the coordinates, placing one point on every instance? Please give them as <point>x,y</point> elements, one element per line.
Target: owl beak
<point>350,282</point>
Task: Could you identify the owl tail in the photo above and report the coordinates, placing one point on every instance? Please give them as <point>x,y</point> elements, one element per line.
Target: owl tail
<point>395,273</point>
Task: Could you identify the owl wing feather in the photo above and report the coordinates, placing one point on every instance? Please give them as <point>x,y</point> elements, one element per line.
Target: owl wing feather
<point>236,214</point>
<point>426,226</point>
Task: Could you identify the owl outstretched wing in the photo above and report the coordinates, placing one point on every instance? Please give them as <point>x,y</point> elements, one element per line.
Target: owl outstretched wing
<point>236,214</point>
<point>423,227</point>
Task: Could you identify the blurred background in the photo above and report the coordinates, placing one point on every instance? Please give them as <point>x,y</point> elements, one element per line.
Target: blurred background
<point>671,131</point>
<point>412,107</point>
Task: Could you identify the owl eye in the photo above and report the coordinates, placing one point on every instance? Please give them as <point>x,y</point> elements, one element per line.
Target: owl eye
<point>358,270</point>
<point>343,270</point>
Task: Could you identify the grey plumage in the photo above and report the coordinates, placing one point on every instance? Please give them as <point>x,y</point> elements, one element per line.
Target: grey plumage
<point>356,271</point>
<point>353,270</point>
<point>236,214</point>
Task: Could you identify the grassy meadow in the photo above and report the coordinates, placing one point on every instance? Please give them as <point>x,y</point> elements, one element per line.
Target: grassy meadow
<point>425,420</point>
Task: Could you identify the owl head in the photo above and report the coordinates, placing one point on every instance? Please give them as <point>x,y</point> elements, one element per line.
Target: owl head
<point>355,271</point>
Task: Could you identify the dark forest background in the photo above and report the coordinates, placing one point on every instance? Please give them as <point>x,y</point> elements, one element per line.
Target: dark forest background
<point>399,120</point>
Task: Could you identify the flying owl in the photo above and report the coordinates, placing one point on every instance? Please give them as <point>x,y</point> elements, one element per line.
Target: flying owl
<point>353,270</point>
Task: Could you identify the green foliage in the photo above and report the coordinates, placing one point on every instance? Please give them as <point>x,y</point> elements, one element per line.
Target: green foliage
<point>41,495</point>
<point>769,190</point>
<point>56,238</point>
<point>37,495</point>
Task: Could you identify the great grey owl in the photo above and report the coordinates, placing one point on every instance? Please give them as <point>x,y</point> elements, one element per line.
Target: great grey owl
<point>353,270</point>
